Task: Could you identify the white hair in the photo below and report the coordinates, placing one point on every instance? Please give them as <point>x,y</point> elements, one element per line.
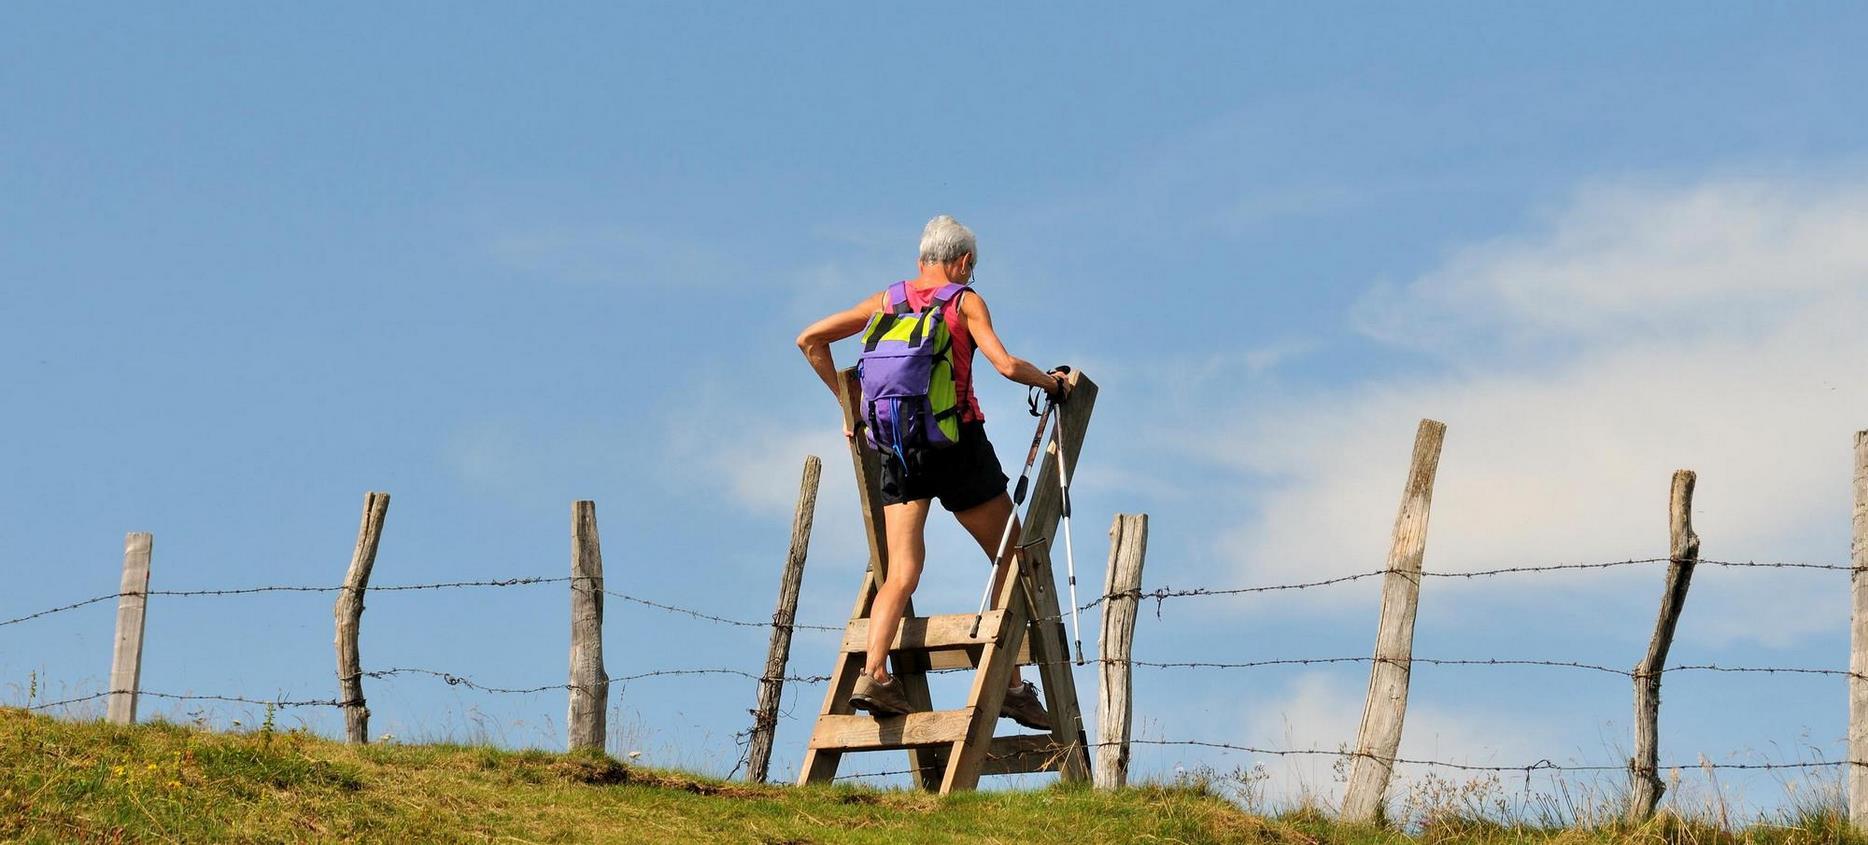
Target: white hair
<point>945,239</point>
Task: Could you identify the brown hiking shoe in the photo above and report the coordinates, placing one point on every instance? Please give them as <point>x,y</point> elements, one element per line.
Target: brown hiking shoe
<point>878,698</point>
<point>1024,706</point>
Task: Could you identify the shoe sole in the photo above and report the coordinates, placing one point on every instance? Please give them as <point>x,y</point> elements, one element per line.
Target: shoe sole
<point>1024,723</point>
<point>873,707</point>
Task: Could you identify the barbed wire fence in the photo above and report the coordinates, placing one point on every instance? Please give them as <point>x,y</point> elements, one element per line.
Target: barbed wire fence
<point>1159,595</point>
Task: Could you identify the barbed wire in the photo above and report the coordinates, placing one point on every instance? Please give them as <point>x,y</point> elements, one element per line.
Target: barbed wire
<point>1527,768</point>
<point>454,679</point>
<point>799,626</point>
<point>233,699</point>
<point>501,582</point>
<point>1161,594</point>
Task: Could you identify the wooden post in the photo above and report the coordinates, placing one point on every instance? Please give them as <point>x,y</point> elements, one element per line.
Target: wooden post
<point>1645,786</point>
<point>1858,646</point>
<point>1379,738</point>
<point>772,684</point>
<point>590,686</point>
<point>126,663</point>
<point>1128,544</point>
<point>349,613</point>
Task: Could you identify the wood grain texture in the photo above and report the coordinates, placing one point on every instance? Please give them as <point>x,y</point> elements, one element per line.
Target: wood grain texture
<point>947,631</point>
<point>986,696</point>
<point>863,733</point>
<point>778,653</point>
<point>1379,737</point>
<point>1128,546</point>
<point>1050,642</point>
<point>126,658</point>
<point>349,614</point>
<point>590,684</point>
<point>1858,645</point>
<point>1645,785</point>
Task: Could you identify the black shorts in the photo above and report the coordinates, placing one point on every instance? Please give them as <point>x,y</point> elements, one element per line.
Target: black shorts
<point>963,476</point>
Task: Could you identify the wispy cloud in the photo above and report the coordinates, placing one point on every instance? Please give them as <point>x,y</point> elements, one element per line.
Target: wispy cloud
<point>1714,327</point>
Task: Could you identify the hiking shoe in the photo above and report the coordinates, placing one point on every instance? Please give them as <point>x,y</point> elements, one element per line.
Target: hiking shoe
<point>878,698</point>
<point>1024,706</point>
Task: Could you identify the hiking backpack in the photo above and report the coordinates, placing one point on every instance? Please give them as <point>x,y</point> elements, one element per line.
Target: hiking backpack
<point>910,399</point>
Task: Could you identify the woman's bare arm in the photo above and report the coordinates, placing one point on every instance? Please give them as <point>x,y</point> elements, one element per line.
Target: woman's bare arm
<point>986,340</point>
<point>815,341</point>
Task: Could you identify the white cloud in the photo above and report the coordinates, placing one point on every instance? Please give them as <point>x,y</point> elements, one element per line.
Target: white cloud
<point>1320,711</point>
<point>1718,327</point>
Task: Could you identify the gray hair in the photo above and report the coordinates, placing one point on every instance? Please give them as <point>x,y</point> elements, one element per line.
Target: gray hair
<point>945,239</point>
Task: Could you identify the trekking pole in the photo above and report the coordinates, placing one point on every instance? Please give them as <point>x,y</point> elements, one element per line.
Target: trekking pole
<point>1070,558</point>
<point>1018,498</point>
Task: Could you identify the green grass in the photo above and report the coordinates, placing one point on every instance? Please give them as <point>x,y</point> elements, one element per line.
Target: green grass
<point>64,781</point>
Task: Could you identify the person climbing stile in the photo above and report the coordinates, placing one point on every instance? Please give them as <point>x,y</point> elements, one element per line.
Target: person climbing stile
<point>920,413</point>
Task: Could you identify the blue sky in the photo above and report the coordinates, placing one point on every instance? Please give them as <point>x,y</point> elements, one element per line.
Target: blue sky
<point>259,259</point>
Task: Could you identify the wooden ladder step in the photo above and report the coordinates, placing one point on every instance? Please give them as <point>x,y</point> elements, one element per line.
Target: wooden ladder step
<point>947,638</point>
<point>861,732</point>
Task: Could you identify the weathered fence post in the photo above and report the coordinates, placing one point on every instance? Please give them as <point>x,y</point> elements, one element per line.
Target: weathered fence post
<point>1645,785</point>
<point>1858,646</point>
<point>349,613</point>
<point>772,684</point>
<point>590,687</point>
<point>126,659</point>
<point>1128,545</point>
<point>1379,737</point>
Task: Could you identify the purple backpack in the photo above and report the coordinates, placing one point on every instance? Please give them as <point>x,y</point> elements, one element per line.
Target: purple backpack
<point>910,401</point>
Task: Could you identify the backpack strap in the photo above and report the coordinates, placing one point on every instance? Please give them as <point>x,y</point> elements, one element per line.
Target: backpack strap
<point>950,292</point>
<point>895,299</point>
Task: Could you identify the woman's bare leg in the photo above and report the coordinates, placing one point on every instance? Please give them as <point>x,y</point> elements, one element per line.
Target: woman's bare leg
<point>905,525</point>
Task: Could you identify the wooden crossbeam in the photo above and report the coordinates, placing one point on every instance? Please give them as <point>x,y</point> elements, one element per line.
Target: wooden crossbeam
<point>863,732</point>
<point>929,632</point>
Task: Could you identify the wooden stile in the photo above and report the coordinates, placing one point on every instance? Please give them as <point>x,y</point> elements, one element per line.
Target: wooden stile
<point>1379,738</point>
<point>1645,785</point>
<point>126,659</point>
<point>1858,645</point>
<point>349,613</point>
<point>949,750</point>
<point>589,685</point>
<point>1128,545</point>
<point>772,684</point>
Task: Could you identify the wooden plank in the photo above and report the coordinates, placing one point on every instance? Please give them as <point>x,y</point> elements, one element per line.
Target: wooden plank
<point>1858,646</point>
<point>1049,640</point>
<point>862,732</point>
<point>1386,707</point>
<point>126,659</point>
<point>820,765</point>
<point>965,762</point>
<point>1128,545</point>
<point>349,613</point>
<point>948,631</point>
<point>1025,753</point>
<point>1645,785</point>
<point>969,658</point>
<point>589,684</point>
<point>1050,650</point>
<point>778,654</point>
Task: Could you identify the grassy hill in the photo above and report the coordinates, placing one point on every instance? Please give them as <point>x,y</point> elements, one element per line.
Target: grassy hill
<point>87,782</point>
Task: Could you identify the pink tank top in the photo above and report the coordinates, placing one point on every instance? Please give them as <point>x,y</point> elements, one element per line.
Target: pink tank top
<point>962,347</point>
